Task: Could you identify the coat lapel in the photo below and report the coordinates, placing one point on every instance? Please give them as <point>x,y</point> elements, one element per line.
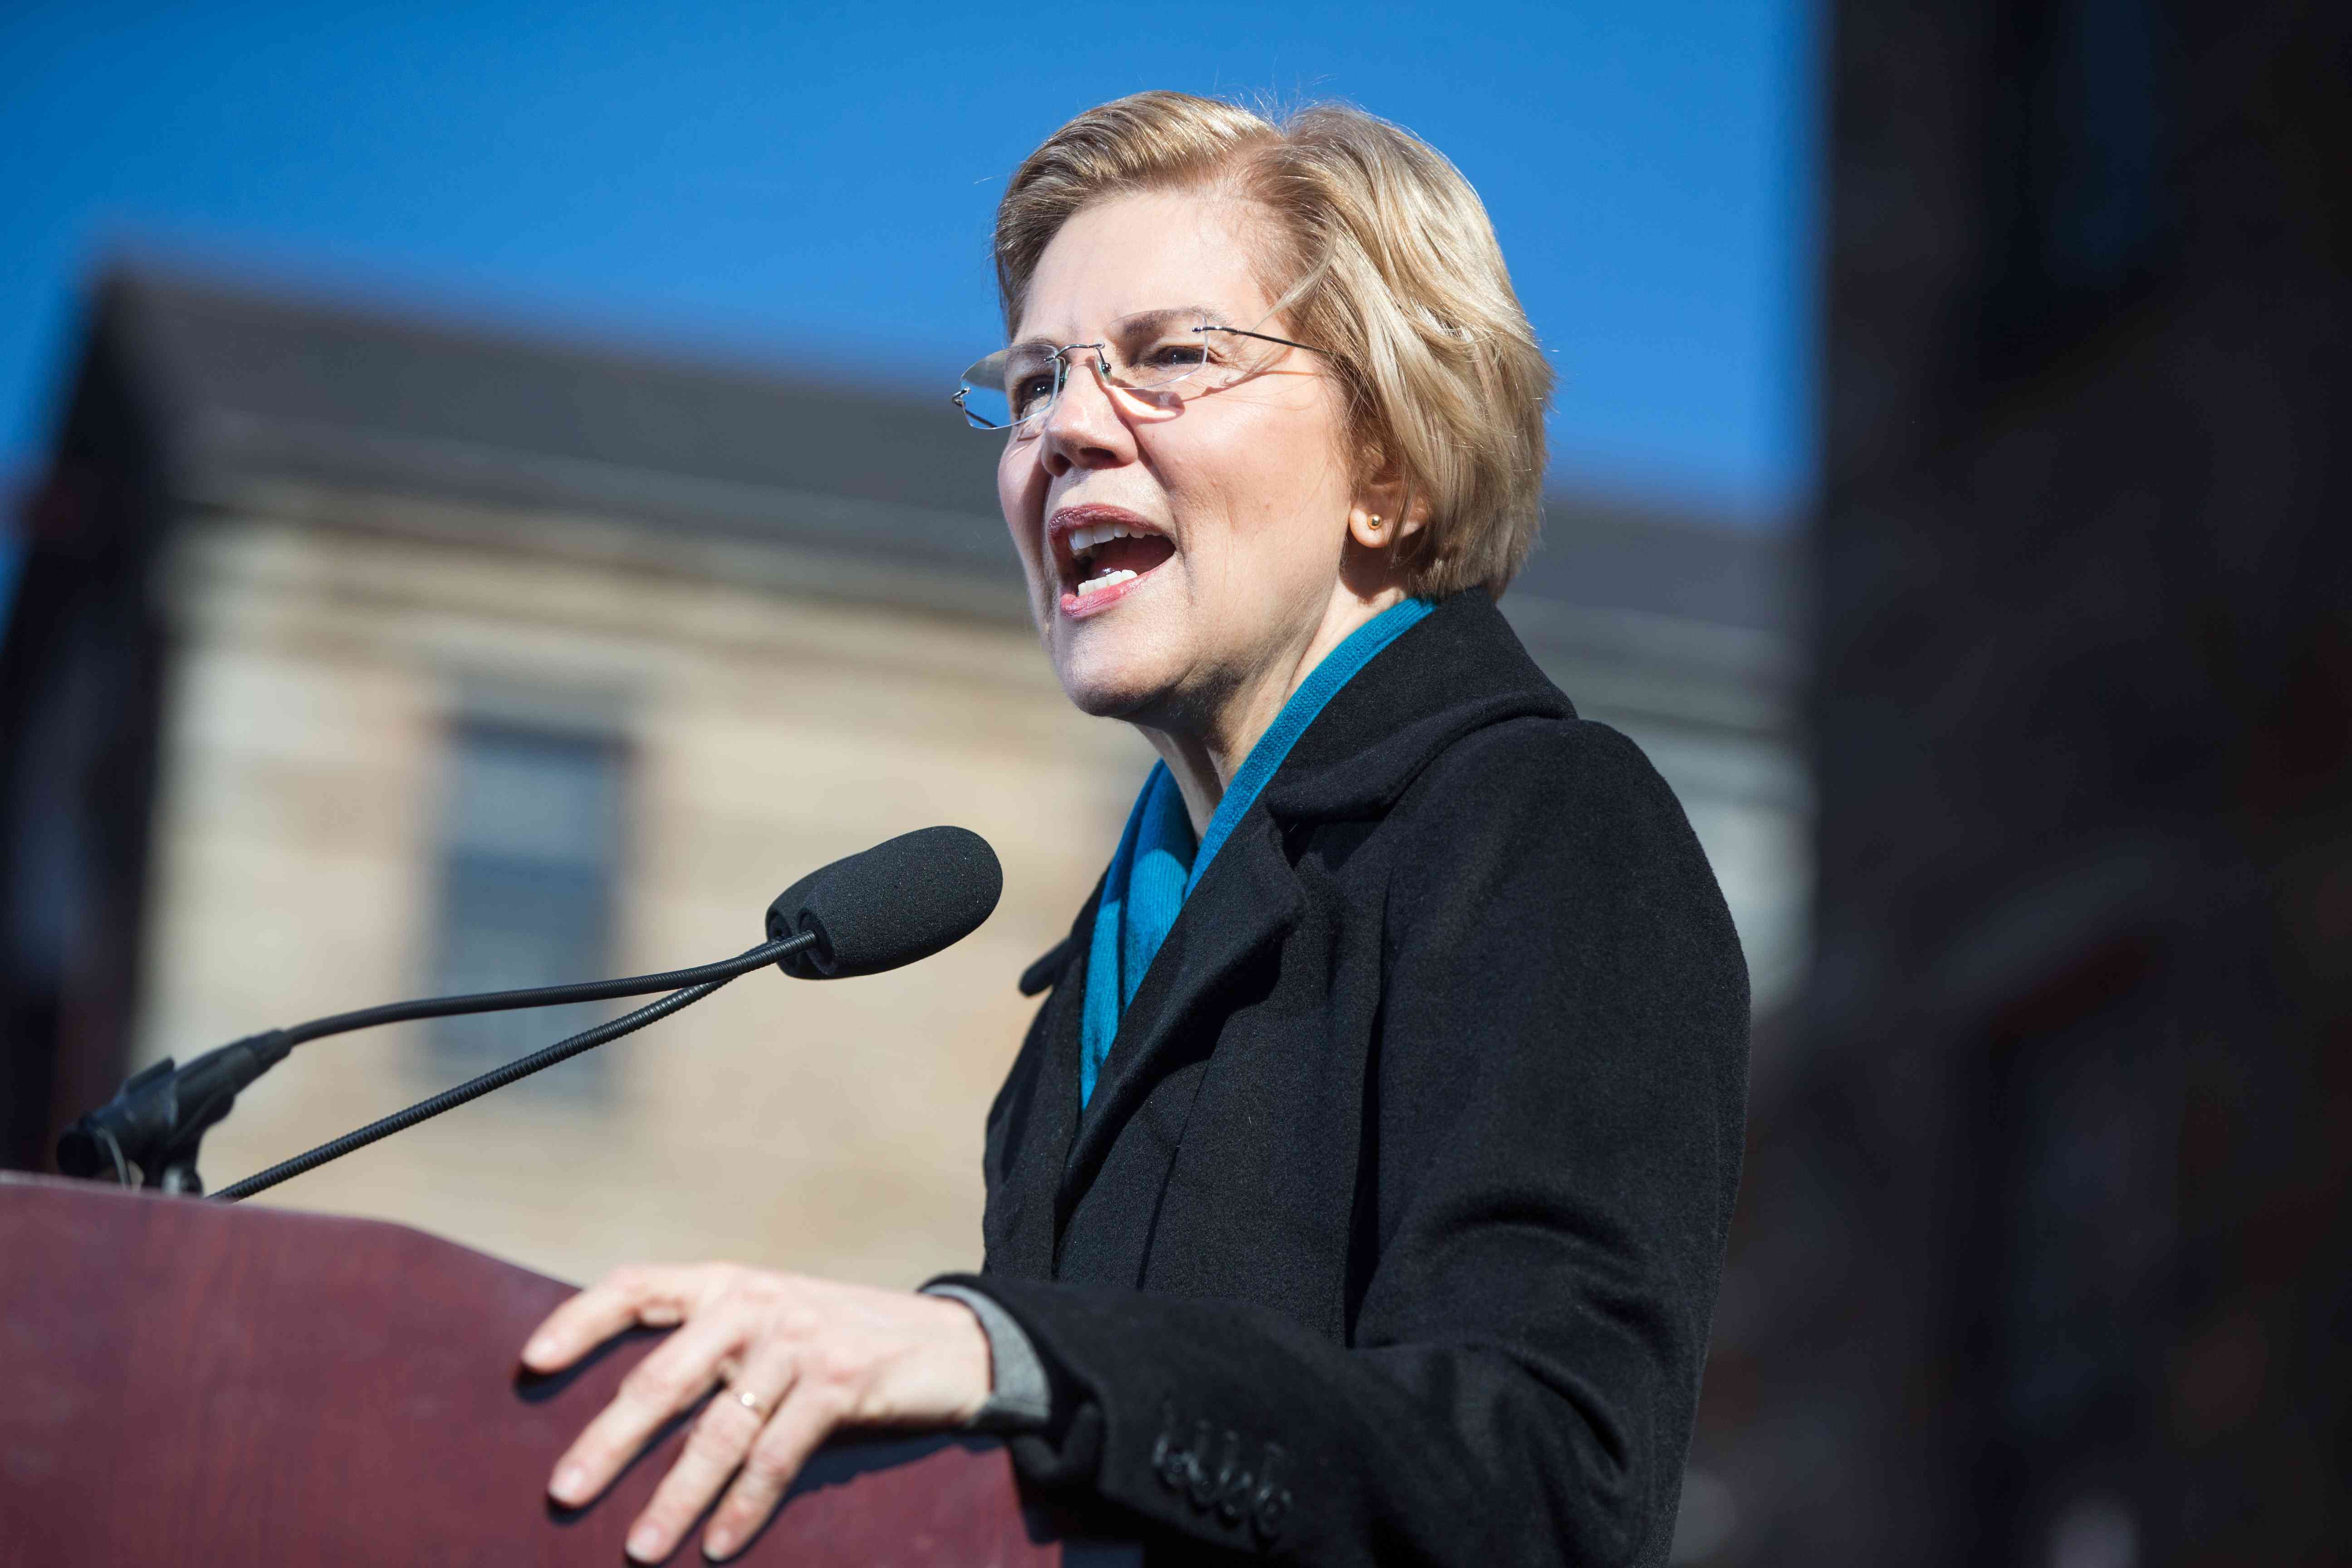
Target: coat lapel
<point>1246,902</point>
<point>1021,1224</point>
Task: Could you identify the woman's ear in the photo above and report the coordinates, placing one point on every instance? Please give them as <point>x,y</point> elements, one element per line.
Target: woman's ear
<point>1386,507</point>
<point>1385,512</point>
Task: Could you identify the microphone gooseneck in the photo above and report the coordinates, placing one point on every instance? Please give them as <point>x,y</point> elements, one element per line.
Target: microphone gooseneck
<point>498,1078</point>
<point>726,969</point>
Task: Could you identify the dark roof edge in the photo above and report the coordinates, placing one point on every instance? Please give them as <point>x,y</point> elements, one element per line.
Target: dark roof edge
<point>150,279</point>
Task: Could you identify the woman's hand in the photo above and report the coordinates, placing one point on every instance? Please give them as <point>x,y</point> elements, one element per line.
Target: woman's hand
<point>799,1359</point>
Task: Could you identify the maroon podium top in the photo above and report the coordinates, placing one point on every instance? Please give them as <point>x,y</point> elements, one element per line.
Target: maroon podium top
<point>189,1381</point>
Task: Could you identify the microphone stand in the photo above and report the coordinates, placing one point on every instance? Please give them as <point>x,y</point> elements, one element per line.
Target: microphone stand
<point>158,1118</point>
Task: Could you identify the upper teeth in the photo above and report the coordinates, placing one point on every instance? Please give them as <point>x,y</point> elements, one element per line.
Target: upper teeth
<point>1088,535</point>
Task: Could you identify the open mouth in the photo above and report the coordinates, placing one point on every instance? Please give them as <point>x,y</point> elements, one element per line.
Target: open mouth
<point>1101,551</point>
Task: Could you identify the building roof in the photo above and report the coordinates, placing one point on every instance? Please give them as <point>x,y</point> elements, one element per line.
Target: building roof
<point>247,384</point>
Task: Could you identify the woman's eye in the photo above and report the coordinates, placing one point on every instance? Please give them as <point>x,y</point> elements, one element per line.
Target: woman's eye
<point>1031,391</point>
<point>1172,356</point>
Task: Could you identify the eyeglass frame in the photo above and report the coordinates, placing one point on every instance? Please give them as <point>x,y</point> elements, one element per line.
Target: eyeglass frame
<point>1061,361</point>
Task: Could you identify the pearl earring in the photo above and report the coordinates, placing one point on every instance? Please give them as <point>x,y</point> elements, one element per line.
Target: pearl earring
<point>1375,520</point>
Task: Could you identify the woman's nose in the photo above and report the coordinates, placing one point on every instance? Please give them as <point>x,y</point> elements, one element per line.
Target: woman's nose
<point>1083,428</point>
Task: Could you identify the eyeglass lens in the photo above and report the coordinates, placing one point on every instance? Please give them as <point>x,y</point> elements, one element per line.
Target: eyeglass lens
<point>1178,353</point>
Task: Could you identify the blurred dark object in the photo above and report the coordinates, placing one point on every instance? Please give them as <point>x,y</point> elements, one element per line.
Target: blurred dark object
<point>80,678</point>
<point>2042,1251</point>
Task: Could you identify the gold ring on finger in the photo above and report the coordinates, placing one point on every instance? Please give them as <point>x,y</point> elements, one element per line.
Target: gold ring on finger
<point>751,1402</point>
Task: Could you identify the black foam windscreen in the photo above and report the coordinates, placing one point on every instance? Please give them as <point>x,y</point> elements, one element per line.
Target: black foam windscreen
<point>903,899</point>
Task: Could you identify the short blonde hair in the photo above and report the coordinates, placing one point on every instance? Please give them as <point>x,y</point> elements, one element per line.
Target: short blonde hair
<point>1386,263</point>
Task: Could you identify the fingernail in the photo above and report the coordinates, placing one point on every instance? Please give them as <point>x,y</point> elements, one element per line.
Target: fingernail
<point>719,1542</point>
<point>644,1544</point>
<point>539,1351</point>
<point>570,1485</point>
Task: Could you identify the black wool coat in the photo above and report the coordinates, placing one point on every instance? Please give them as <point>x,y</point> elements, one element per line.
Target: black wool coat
<point>1393,1230</point>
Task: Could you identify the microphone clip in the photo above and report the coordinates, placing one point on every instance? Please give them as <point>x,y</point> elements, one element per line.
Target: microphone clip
<point>157,1121</point>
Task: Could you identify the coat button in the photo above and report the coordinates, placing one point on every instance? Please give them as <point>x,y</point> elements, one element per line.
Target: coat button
<point>1272,1504</point>
<point>1168,1461</point>
<point>1235,1483</point>
<point>1200,1487</point>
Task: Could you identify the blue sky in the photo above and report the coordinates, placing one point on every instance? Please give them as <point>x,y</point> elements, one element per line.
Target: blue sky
<point>795,185</point>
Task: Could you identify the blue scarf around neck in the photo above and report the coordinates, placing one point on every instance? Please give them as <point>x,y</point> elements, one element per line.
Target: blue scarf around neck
<point>1157,865</point>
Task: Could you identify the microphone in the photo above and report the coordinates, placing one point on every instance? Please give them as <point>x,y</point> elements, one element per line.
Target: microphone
<point>899,901</point>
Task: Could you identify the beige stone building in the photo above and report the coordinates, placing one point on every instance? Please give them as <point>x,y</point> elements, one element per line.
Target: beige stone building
<point>358,658</point>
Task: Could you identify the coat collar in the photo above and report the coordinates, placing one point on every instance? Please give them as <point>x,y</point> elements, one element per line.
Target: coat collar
<point>1458,670</point>
<point>1461,670</point>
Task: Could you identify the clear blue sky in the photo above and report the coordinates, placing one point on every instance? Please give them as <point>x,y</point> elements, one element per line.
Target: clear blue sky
<point>794,183</point>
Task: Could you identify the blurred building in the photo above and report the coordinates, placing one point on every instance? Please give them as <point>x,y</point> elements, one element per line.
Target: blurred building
<point>358,658</point>
<point>2041,1251</point>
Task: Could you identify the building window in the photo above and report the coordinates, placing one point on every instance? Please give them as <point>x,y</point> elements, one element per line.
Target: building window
<point>530,832</point>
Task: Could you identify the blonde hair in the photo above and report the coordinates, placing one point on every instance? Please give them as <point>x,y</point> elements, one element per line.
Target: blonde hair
<point>1384,261</point>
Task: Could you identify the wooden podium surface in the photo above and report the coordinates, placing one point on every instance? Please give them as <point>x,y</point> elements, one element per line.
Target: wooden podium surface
<point>189,1382</point>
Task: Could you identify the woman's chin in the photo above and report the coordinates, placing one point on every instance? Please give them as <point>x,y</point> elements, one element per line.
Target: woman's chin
<point>1107,681</point>
<point>1109,696</point>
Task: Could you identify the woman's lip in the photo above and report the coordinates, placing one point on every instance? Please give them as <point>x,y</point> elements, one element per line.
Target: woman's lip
<point>1069,519</point>
<point>1059,526</point>
<point>1077,607</point>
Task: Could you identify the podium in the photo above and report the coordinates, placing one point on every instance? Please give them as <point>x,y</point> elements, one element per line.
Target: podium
<point>191,1382</point>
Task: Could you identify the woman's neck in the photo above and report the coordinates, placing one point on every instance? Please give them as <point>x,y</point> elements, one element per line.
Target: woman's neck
<point>1204,758</point>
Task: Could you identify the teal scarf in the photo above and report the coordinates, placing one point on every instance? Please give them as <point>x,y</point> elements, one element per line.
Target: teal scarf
<point>1156,865</point>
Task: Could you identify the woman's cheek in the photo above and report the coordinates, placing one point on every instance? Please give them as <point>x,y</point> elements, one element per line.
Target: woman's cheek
<point>1012,501</point>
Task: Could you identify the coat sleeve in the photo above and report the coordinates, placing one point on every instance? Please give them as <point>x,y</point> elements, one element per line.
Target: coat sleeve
<point>1552,1155</point>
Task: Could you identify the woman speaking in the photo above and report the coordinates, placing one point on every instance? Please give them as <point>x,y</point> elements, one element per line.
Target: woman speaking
<point>1360,1193</point>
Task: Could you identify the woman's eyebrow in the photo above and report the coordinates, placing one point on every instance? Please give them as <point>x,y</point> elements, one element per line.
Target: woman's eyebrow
<point>1211,311</point>
<point>1214,314</point>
